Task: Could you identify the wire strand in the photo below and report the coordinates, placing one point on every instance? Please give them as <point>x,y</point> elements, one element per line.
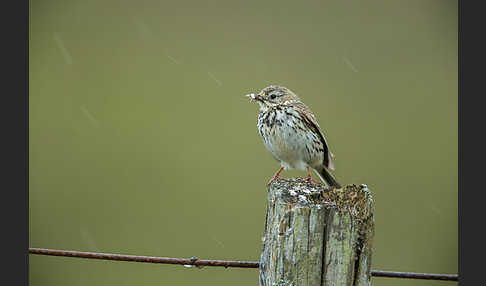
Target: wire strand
<point>193,261</point>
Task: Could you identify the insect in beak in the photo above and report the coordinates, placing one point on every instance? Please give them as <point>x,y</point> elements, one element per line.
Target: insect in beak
<point>254,96</point>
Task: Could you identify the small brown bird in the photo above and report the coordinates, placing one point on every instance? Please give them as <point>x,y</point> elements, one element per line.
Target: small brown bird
<point>290,132</point>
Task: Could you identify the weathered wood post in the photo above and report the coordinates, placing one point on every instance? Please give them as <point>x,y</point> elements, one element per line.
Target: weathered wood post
<point>316,236</point>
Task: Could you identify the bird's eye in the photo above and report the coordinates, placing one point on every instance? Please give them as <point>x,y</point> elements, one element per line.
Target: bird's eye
<point>273,96</point>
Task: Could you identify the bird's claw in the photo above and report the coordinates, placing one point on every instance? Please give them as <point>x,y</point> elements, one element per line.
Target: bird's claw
<point>273,179</point>
<point>311,180</point>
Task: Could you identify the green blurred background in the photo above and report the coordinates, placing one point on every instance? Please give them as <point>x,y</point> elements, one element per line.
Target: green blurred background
<point>142,142</point>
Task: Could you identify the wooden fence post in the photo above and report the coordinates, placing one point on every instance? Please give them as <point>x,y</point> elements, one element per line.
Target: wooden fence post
<point>316,236</point>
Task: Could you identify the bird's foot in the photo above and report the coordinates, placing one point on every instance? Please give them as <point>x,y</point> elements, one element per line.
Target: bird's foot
<point>311,180</point>
<point>273,179</point>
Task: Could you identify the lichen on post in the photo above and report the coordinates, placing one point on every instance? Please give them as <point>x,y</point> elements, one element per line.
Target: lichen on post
<point>317,236</point>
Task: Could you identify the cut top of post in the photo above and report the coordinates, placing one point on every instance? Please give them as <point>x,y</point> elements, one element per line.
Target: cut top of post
<point>357,200</point>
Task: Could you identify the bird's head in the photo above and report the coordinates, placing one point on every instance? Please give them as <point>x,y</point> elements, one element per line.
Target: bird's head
<point>273,95</point>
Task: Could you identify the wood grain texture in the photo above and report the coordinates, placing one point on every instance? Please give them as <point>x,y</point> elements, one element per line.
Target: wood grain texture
<point>315,236</point>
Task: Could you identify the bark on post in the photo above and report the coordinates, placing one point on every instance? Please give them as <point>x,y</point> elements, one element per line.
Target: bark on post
<point>316,236</point>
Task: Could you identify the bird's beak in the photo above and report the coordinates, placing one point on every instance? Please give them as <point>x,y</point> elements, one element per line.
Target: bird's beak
<point>254,96</point>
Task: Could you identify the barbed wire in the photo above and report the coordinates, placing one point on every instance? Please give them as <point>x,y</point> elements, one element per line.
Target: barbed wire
<point>193,261</point>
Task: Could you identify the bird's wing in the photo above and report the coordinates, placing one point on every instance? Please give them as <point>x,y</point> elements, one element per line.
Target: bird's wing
<point>311,122</point>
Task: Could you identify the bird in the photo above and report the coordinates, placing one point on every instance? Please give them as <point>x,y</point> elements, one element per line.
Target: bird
<point>290,132</point>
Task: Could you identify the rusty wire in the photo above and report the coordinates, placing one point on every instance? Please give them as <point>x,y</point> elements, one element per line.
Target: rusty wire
<point>222,263</point>
<point>414,275</point>
<point>148,259</point>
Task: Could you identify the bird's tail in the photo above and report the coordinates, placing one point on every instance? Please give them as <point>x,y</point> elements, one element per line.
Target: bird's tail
<point>327,178</point>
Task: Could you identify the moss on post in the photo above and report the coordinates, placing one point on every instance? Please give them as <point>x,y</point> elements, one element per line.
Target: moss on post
<point>317,236</point>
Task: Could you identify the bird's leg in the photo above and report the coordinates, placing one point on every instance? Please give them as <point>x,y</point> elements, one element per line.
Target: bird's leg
<point>275,176</point>
<point>309,178</point>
